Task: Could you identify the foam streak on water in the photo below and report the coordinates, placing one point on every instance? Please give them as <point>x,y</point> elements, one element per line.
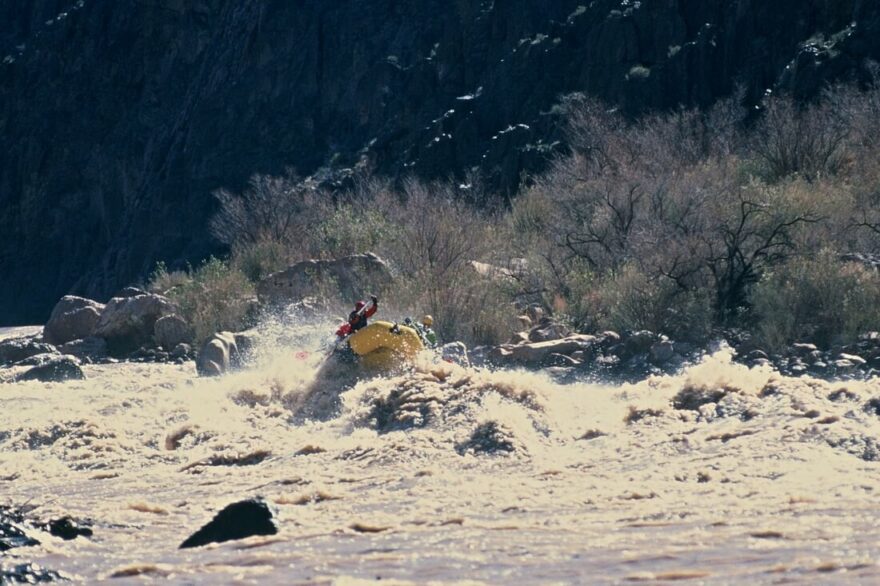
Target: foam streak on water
<point>446,474</point>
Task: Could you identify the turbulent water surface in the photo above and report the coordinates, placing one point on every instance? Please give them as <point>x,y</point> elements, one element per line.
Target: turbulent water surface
<point>450,475</point>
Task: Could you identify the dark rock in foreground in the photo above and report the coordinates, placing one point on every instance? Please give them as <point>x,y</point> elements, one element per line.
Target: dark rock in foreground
<point>28,574</point>
<point>68,528</point>
<point>63,368</point>
<point>18,349</point>
<point>236,521</point>
<point>12,533</point>
<point>38,359</point>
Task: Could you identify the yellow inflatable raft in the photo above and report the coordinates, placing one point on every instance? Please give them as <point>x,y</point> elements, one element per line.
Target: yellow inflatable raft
<point>383,345</point>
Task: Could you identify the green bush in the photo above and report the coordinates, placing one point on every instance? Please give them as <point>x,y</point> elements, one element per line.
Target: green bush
<point>354,228</point>
<point>628,299</point>
<point>469,306</point>
<point>261,258</point>
<point>817,299</point>
<point>631,300</point>
<point>164,282</point>
<point>212,298</point>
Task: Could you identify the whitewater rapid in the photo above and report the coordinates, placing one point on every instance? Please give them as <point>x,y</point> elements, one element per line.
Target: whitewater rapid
<point>450,475</point>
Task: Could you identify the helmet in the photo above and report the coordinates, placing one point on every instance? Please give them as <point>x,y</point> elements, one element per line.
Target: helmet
<point>359,305</point>
<point>428,320</point>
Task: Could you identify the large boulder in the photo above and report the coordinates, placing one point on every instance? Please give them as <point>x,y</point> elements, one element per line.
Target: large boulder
<point>639,342</point>
<point>68,528</point>
<point>662,351</point>
<point>536,354</point>
<point>455,352</point>
<point>348,278</point>
<point>128,323</point>
<point>223,352</point>
<point>18,349</point>
<point>172,330</point>
<point>60,369</point>
<point>72,318</point>
<point>236,521</point>
<point>548,330</point>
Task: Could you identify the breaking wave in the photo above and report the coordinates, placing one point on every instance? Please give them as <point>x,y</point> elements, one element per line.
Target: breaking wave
<point>720,472</point>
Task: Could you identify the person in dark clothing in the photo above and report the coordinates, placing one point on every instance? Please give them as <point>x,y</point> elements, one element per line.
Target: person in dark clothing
<point>357,319</point>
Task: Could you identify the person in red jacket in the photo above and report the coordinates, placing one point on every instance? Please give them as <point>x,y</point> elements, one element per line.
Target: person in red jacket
<point>357,319</point>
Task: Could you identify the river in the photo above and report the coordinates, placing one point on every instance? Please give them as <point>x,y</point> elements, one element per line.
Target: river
<point>718,474</point>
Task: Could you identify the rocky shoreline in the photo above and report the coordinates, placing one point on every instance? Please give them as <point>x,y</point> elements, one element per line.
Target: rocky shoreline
<point>137,326</point>
<point>636,355</point>
<point>133,326</point>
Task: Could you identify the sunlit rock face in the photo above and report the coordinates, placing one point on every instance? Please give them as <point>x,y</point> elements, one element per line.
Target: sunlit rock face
<point>119,118</point>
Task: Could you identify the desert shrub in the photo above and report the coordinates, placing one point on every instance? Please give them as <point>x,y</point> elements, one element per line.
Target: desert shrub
<point>631,300</point>
<point>664,195</point>
<point>261,258</point>
<point>440,247</point>
<point>790,139</point>
<point>212,297</point>
<point>279,210</point>
<point>471,306</point>
<point>353,228</point>
<point>860,108</point>
<point>819,299</point>
<point>164,282</point>
<point>752,231</point>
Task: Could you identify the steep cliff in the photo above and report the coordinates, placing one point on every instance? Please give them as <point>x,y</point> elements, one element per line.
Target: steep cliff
<point>119,118</point>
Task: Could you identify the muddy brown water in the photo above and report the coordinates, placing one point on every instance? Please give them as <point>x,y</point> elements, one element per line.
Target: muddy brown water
<point>450,476</point>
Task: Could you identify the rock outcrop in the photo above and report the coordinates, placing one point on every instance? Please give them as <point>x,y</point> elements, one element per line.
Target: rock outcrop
<point>345,278</point>
<point>607,355</point>
<point>538,354</point>
<point>185,98</point>
<point>223,352</point>
<point>172,330</point>
<point>127,323</point>
<point>72,318</point>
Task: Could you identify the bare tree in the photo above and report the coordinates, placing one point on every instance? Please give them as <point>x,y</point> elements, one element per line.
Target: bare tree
<point>271,208</point>
<point>800,140</point>
<point>756,235</point>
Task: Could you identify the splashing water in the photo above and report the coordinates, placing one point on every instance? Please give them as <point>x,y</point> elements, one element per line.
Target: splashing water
<point>446,474</point>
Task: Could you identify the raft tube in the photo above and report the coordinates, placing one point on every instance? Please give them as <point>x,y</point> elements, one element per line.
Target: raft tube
<point>383,344</point>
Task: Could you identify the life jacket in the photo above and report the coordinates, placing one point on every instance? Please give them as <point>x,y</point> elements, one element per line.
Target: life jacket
<point>344,330</point>
<point>357,319</point>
